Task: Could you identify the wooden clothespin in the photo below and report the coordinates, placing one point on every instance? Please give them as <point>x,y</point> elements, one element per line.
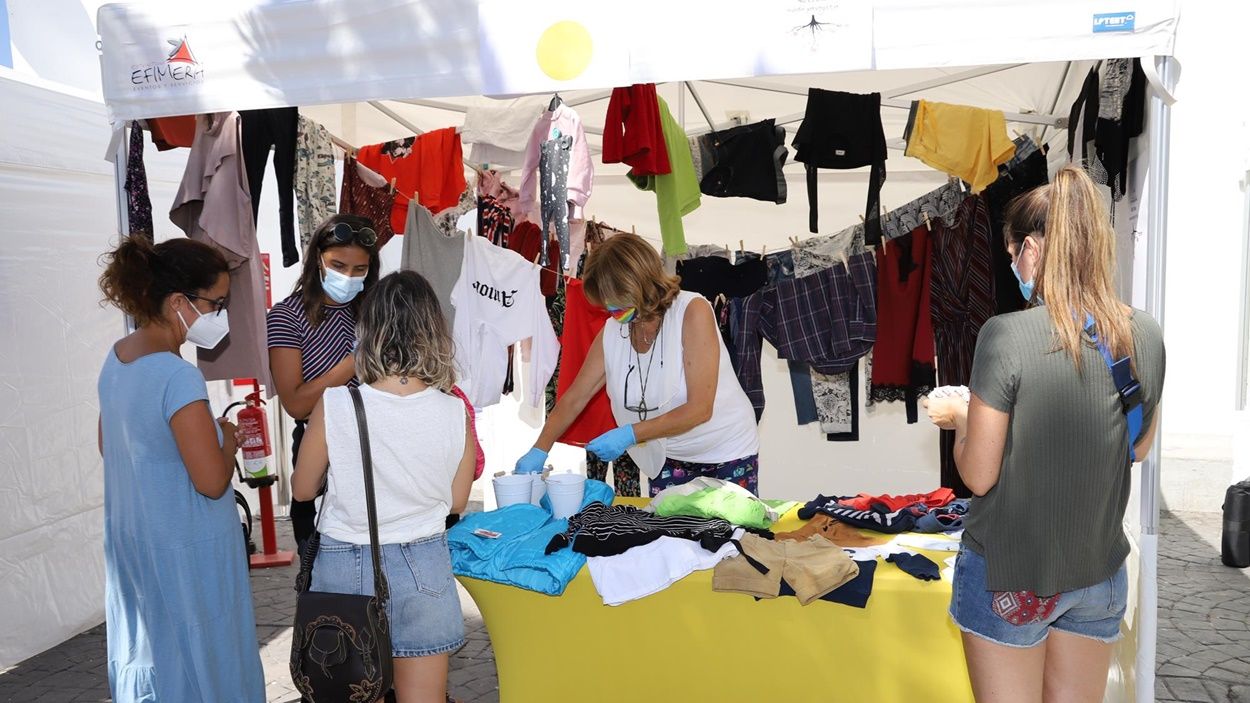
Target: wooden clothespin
<point>794,242</point>
<point>764,251</point>
<point>885,212</point>
<point>633,229</point>
<point>927,222</point>
<point>742,247</point>
<point>862,221</point>
<point>393,181</point>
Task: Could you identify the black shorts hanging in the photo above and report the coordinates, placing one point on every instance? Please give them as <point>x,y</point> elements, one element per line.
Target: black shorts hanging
<point>843,131</point>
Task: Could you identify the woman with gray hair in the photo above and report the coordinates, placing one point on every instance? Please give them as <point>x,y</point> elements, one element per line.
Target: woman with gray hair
<point>423,462</point>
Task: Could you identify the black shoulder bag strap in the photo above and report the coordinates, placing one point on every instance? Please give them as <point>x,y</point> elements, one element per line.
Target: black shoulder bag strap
<point>381,588</point>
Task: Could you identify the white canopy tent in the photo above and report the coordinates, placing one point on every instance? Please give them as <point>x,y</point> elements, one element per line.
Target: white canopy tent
<point>371,70</point>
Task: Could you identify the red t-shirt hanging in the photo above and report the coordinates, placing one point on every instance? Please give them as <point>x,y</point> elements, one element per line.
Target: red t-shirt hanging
<point>582,323</point>
<point>633,133</point>
<point>431,166</point>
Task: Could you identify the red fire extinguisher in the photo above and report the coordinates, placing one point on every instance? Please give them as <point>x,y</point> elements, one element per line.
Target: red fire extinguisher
<point>254,431</point>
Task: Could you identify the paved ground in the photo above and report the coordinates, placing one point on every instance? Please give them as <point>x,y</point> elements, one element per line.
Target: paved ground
<point>1204,637</point>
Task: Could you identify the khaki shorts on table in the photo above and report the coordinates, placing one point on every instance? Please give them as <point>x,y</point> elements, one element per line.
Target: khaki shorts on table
<point>812,567</point>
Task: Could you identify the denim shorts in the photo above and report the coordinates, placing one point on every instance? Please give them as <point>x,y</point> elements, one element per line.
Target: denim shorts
<point>1094,612</point>
<point>424,608</point>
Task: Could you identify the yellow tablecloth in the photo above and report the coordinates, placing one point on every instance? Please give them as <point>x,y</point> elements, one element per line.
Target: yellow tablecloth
<point>690,643</point>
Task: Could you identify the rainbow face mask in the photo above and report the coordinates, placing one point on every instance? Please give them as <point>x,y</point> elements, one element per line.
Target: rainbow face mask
<point>622,315</point>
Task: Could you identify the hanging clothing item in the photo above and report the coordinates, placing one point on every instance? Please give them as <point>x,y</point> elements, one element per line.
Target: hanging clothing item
<point>713,276</point>
<point>1026,175</point>
<point>213,205</point>
<point>447,219</point>
<point>902,367</point>
<point>177,598</point>
<point>965,142</point>
<point>1121,117</point>
<point>661,372</point>
<point>835,397</point>
<point>494,221</point>
<point>676,193</point>
<point>314,178</point>
<point>274,128</point>
<point>842,131</point>
<point>497,303</point>
<point>367,194</point>
<point>553,172</point>
<point>138,202</point>
<point>527,240</point>
<point>581,172</point>
<point>962,291</point>
<point>434,255</point>
<point>500,134</point>
<point>938,204</point>
<point>742,162</point>
<point>827,319</point>
<point>172,132</point>
<point>607,530</point>
<point>633,133</point>
<point>1083,120</point>
<point>582,323</point>
<point>429,167</point>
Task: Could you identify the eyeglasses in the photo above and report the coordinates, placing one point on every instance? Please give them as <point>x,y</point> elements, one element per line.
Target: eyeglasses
<point>343,233</point>
<point>218,304</point>
<point>641,407</point>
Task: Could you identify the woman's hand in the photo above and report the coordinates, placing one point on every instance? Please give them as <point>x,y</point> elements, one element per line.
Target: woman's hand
<point>231,436</point>
<point>947,413</point>
<point>610,445</point>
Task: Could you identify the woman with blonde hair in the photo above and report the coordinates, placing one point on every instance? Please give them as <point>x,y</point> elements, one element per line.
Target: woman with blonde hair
<point>423,460</point>
<point>1046,445</point>
<point>680,410</point>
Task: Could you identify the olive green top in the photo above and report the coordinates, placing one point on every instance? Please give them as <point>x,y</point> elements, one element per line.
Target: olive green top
<point>1054,520</point>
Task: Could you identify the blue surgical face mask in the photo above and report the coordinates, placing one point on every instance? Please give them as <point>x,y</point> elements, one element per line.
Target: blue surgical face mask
<point>342,289</point>
<point>1026,289</point>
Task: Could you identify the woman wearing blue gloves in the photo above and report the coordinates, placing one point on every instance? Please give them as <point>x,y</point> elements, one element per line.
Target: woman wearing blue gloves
<point>680,410</point>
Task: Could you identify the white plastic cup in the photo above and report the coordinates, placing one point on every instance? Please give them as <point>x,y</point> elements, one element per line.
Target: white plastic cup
<point>538,489</point>
<point>566,492</point>
<point>512,489</point>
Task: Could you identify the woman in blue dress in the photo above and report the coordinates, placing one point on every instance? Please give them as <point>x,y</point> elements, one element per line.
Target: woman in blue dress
<point>178,604</point>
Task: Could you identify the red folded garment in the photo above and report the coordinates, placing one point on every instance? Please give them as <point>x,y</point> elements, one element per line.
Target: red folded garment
<point>934,499</point>
<point>633,133</point>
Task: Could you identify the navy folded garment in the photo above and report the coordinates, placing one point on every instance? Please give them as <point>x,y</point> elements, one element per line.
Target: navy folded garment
<point>854,593</point>
<point>918,565</point>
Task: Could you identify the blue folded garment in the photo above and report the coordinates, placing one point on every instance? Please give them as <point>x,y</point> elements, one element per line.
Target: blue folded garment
<point>948,518</point>
<point>517,556</point>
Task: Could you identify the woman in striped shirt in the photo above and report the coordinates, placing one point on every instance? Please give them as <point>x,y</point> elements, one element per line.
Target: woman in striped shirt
<point>312,332</point>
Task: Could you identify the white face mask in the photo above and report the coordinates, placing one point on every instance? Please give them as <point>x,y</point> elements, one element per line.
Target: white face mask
<point>208,329</point>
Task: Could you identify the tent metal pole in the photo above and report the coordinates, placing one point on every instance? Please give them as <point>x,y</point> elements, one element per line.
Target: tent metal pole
<point>591,98</point>
<point>702,108</point>
<point>396,116</point>
<point>893,93</point>
<point>1156,256</point>
<point>435,104</point>
<point>1067,71</point>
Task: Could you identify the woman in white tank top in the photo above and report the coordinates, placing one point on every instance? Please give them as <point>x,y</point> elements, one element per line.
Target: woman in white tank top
<point>423,462</point>
<point>680,410</point>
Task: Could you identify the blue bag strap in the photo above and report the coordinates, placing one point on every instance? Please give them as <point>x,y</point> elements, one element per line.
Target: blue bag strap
<point>1126,386</point>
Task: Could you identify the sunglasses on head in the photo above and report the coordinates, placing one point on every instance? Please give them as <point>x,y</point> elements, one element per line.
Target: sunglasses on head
<point>343,233</point>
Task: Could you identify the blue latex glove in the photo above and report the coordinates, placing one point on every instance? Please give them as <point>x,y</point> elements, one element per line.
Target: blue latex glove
<point>610,445</point>
<point>532,462</point>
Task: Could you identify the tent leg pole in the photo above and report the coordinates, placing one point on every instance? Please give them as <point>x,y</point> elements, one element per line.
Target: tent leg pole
<point>1156,254</point>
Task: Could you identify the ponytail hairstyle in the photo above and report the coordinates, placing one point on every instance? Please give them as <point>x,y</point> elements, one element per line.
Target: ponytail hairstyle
<point>1077,272</point>
<point>308,287</point>
<point>138,276</point>
<point>403,332</point>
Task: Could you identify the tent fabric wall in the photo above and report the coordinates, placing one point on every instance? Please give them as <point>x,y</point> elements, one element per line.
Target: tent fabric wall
<point>53,189</point>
